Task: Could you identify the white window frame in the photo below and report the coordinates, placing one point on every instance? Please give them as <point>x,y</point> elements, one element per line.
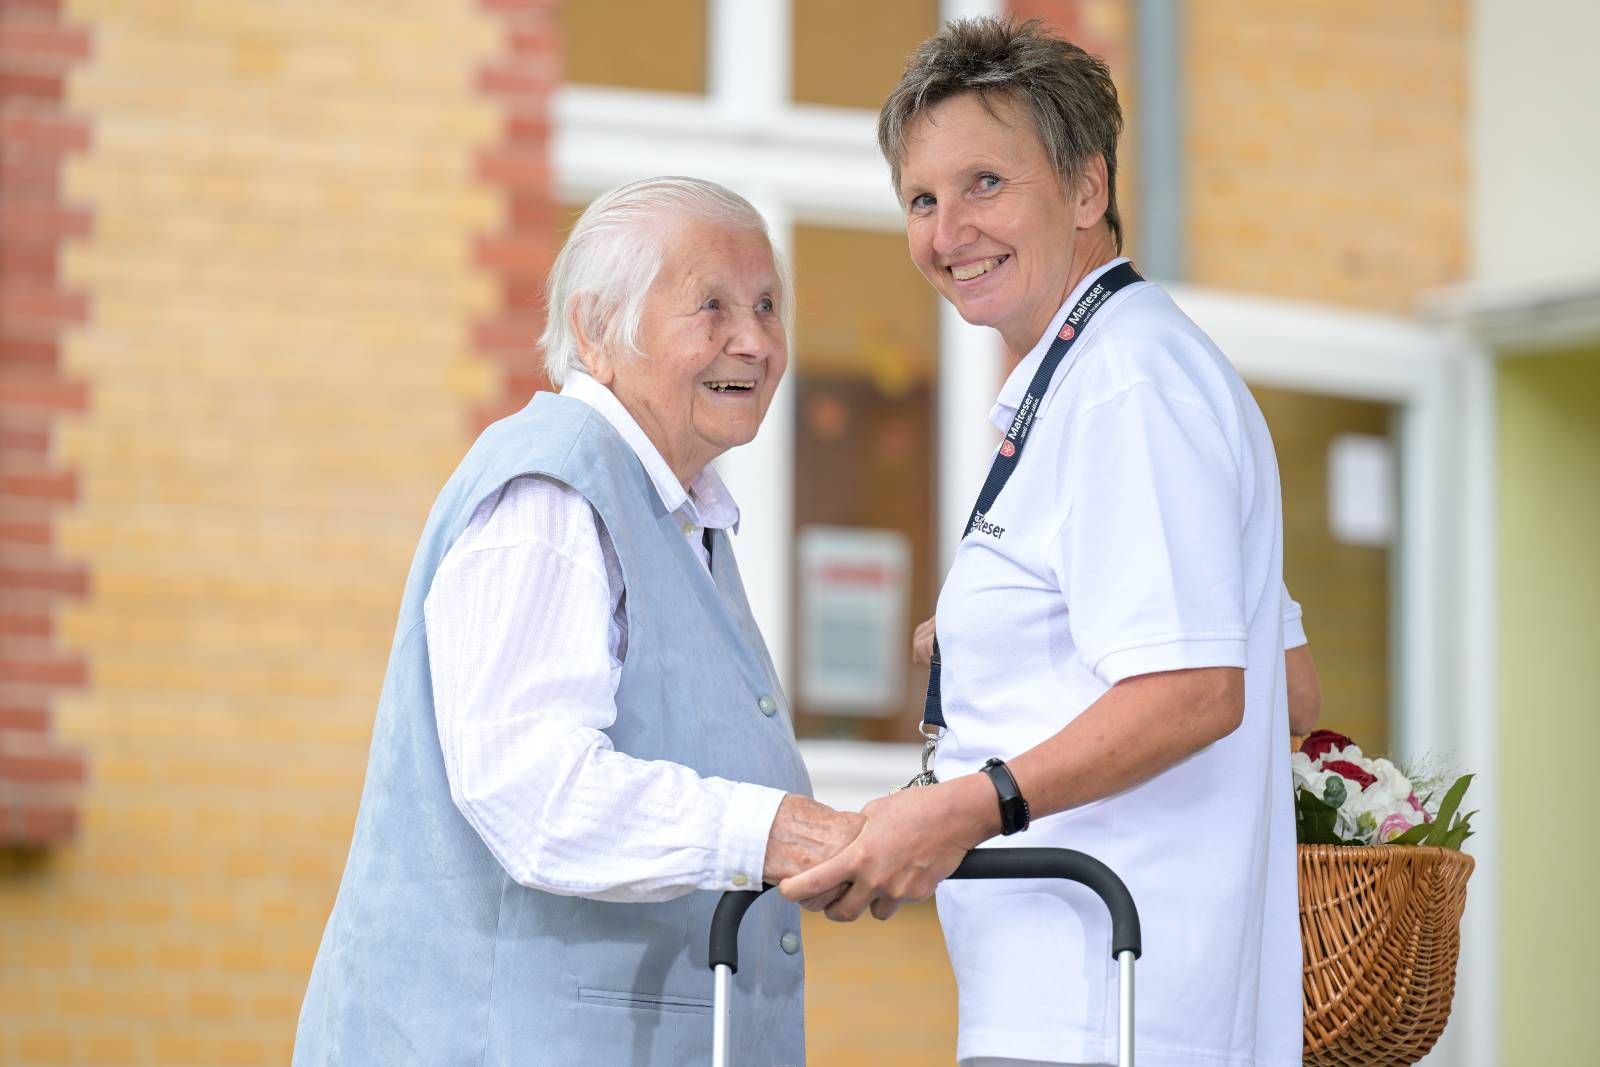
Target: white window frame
<point>801,164</point>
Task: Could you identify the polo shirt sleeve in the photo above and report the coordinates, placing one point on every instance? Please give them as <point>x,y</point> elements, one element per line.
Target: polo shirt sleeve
<point>1150,557</point>
<point>1294,625</point>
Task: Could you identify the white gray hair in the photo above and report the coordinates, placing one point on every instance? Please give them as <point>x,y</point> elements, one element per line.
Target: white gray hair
<point>612,258</point>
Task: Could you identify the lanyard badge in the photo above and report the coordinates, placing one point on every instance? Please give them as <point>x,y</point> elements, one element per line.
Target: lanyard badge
<point>1005,461</point>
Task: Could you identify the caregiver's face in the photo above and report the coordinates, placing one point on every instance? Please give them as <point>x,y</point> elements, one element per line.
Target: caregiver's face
<point>712,345</point>
<point>990,223</point>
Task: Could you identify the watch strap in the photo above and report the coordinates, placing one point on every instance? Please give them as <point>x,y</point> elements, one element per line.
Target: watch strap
<point>1014,815</point>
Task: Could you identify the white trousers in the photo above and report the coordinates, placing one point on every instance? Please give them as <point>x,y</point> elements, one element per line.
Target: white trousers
<point>997,1061</point>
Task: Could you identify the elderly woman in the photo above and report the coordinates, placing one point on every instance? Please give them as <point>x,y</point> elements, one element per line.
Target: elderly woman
<point>1113,673</point>
<point>580,723</point>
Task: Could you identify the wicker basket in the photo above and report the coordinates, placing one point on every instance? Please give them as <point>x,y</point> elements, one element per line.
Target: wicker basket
<point>1381,926</point>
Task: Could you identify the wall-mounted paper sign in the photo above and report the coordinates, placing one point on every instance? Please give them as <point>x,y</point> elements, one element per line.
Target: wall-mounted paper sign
<point>1361,493</point>
<point>854,588</point>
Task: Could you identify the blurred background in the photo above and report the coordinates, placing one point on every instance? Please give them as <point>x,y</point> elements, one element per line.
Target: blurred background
<point>268,267</point>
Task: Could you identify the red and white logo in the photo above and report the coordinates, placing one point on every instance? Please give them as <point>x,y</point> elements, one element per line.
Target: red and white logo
<point>1007,449</point>
<point>1067,332</point>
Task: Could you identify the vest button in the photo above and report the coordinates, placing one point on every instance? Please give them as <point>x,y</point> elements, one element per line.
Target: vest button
<point>768,706</point>
<point>688,528</point>
<point>790,943</point>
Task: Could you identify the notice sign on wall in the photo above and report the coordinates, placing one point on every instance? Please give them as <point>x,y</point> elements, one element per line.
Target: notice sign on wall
<point>854,588</point>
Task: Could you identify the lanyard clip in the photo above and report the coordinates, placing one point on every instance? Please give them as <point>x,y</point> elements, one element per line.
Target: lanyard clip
<point>931,735</point>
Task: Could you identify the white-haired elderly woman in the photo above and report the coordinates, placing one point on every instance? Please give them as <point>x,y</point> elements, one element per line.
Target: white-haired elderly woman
<point>580,723</point>
<point>1118,659</point>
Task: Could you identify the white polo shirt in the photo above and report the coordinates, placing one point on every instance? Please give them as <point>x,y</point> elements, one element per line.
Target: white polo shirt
<point>1140,532</point>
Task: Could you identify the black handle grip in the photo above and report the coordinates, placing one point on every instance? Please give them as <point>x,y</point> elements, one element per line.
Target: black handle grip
<point>725,926</point>
<point>1072,866</point>
<point>980,863</point>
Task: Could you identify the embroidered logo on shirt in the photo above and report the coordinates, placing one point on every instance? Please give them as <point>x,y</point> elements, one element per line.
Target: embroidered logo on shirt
<point>1067,332</point>
<point>1007,449</point>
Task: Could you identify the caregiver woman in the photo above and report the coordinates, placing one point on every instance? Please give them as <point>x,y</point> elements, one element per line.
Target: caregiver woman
<point>1114,627</point>
<point>580,724</point>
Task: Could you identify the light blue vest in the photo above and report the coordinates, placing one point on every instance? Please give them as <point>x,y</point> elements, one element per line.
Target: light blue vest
<point>433,955</point>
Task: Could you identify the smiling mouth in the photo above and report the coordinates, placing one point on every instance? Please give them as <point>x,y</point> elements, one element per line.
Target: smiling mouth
<point>730,387</point>
<point>965,272</point>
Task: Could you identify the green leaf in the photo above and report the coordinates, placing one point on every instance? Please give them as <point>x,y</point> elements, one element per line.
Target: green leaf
<point>1314,821</point>
<point>1414,836</point>
<point>1442,824</point>
<point>1457,836</point>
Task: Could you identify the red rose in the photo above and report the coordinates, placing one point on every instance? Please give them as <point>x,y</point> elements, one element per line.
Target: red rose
<point>1318,743</point>
<point>1350,772</point>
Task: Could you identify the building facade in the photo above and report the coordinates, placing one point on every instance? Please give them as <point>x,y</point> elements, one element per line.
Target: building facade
<point>269,267</point>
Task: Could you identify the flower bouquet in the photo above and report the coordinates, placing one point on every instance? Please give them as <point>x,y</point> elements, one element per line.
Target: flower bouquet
<point>1382,888</point>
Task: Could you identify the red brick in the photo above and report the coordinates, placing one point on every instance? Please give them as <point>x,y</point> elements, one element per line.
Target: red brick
<point>23,720</point>
<point>527,76</point>
<point>41,392</point>
<point>25,533</point>
<point>526,131</point>
<point>515,255</point>
<point>40,133</point>
<point>41,219</point>
<point>19,353</point>
<point>19,624</point>
<point>60,578</point>
<point>30,85</point>
<point>42,302</point>
<point>35,38</point>
<point>514,167</point>
<point>58,670</point>
<point>53,485</point>
<point>36,262</point>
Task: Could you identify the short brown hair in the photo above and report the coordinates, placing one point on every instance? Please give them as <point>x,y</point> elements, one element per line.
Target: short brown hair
<point>1068,92</point>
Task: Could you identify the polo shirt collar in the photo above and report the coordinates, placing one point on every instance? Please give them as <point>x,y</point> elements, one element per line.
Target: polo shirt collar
<point>706,502</point>
<point>1005,406</point>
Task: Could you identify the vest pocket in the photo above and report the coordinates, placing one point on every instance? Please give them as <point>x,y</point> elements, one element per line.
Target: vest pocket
<point>624,998</point>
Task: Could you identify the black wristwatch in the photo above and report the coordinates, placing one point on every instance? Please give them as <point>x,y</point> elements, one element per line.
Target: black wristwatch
<point>1013,808</point>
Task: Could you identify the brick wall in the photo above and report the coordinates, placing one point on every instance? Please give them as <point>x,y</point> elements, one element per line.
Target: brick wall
<point>40,776</point>
<point>1326,148</point>
<point>317,231</point>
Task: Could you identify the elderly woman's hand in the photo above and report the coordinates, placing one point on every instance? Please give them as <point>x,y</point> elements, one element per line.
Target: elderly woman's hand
<point>912,841</point>
<point>804,833</point>
<point>922,643</point>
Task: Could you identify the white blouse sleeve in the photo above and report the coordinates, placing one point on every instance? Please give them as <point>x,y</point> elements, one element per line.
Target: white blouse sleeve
<point>524,662</point>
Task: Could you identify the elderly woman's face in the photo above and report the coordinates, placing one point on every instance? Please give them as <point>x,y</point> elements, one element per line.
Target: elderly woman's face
<point>990,223</point>
<point>712,343</point>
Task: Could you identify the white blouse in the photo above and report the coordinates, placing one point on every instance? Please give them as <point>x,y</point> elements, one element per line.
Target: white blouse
<point>527,633</point>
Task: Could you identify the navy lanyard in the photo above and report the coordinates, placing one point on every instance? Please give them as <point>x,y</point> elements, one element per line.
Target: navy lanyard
<point>1005,461</point>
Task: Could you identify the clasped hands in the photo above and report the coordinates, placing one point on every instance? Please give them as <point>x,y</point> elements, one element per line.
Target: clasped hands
<point>895,851</point>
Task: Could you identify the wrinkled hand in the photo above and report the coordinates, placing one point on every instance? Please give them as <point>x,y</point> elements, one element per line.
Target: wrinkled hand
<point>804,833</point>
<point>913,839</point>
<point>922,643</point>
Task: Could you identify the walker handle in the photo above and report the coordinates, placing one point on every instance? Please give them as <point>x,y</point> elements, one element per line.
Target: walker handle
<point>1072,866</point>
<point>725,926</point>
<point>1064,863</point>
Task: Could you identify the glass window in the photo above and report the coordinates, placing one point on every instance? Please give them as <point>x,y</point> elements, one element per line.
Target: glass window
<point>1336,557</point>
<point>881,36</point>
<point>866,371</point>
<point>636,44</point>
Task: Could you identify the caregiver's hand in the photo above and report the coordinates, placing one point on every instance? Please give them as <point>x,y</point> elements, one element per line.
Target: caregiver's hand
<point>913,839</point>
